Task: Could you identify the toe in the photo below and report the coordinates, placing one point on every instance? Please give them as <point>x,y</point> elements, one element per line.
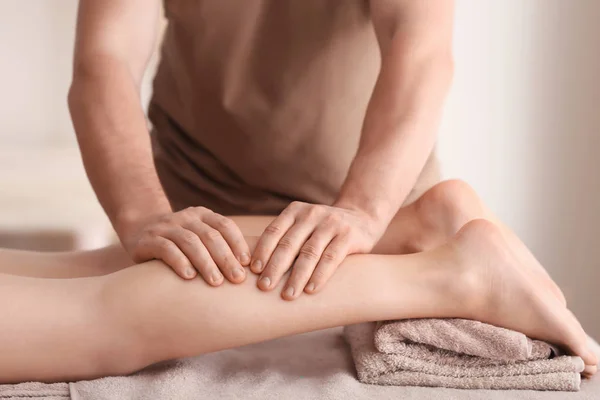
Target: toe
<point>576,341</point>
<point>592,357</point>
<point>589,370</point>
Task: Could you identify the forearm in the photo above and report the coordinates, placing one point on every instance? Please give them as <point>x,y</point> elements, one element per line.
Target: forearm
<point>399,131</point>
<point>115,145</point>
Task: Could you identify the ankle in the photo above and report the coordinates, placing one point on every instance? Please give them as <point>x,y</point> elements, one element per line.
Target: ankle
<point>480,249</point>
<point>443,210</point>
<point>460,283</point>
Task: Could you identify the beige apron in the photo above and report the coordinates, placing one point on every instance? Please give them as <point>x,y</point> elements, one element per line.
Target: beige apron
<point>260,102</point>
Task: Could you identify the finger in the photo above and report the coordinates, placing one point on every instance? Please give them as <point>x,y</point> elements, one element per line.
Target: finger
<point>307,261</point>
<point>232,235</point>
<point>331,258</point>
<point>163,249</point>
<point>220,251</point>
<point>195,251</point>
<point>284,254</point>
<point>269,239</point>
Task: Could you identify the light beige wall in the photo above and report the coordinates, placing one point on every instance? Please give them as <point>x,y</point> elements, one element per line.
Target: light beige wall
<point>523,127</point>
<point>36,46</point>
<point>35,65</point>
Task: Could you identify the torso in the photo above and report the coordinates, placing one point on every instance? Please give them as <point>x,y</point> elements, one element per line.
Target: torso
<point>260,102</point>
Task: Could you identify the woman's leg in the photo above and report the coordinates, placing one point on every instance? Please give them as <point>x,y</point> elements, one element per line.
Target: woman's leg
<point>110,259</point>
<point>447,207</point>
<point>116,324</point>
<point>79,264</point>
<point>438,214</point>
<point>73,264</point>
<point>424,224</point>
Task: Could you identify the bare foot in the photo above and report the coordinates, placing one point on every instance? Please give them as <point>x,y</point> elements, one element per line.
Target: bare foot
<point>492,275</point>
<point>446,207</point>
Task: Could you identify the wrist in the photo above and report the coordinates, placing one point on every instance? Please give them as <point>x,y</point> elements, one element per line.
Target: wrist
<point>376,217</point>
<point>131,216</point>
<point>367,202</point>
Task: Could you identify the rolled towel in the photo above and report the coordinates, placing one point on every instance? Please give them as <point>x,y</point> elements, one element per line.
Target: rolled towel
<point>409,363</point>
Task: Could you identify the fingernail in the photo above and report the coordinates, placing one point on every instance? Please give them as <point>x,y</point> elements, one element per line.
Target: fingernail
<point>244,259</point>
<point>265,282</point>
<point>310,287</point>
<point>216,277</point>
<point>257,266</point>
<point>237,273</point>
<point>289,292</point>
<point>190,272</point>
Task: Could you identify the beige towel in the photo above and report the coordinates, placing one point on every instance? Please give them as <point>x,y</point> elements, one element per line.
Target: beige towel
<point>310,366</point>
<point>35,390</point>
<point>437,361</point>
<point>461,336</point>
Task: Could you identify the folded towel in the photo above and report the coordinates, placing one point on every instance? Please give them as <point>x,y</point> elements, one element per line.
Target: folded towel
<point>416,357</point>
<point>461,336</point>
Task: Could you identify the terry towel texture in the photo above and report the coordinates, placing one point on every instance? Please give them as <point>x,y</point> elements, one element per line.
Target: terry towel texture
<point>311,366</point>
<point>460,354</point>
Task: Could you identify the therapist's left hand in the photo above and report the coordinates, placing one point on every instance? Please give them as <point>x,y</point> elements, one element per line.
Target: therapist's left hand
<point>313,238</point>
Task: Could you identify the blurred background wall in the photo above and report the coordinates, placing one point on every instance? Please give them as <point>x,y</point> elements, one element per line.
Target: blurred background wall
<point>521,125</point>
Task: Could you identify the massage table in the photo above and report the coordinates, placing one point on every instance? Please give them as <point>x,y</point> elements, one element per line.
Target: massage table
<point>314,365</point>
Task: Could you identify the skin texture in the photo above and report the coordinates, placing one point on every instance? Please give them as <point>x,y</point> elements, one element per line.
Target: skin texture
<point>398,135</point>
<point>135,315</point>
<point>195,239</point>
<point>114,42</point>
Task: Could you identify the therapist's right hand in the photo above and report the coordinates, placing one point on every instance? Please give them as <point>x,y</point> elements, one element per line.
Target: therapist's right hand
<point>192,241</point>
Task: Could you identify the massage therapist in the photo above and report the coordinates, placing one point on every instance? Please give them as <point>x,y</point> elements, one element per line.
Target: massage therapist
<point>321,112</point>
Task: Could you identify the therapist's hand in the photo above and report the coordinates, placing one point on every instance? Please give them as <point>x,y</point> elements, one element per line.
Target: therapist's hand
<point>191,241</point>
<point>318,238</point>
